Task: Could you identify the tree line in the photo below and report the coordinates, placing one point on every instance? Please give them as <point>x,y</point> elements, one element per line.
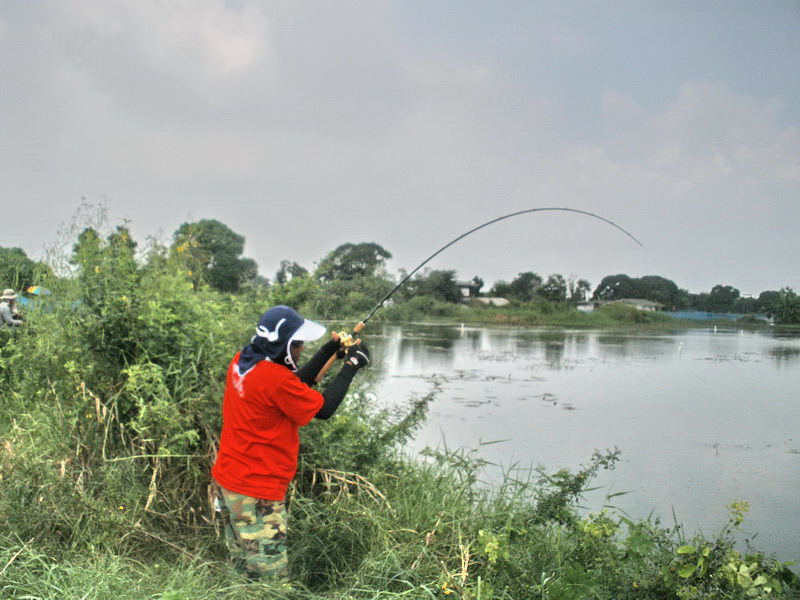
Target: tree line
<point>353,277</point>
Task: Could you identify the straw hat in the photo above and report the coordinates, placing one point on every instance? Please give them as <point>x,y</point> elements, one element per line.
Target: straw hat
<point>8,294</point>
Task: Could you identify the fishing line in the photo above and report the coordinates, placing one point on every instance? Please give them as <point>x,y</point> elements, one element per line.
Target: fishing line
<point>493,221</point>
<point>533,210</point>
<point>349,339</point>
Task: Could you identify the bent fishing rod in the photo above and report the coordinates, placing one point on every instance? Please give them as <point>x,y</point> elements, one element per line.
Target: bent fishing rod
<point>349,339</point>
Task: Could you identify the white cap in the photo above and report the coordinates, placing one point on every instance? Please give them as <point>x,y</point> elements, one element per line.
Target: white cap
<point>308,332</point>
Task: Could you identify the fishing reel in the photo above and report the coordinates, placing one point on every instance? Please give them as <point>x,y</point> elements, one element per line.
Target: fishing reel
<point>346,339</point>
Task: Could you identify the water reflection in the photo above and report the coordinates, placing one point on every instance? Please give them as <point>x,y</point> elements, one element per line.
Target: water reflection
<point>785,353</point>
<point>702,418</point>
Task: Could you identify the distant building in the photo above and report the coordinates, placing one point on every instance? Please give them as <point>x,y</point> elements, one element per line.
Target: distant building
<point>468,289</point>
<point>640,303</point>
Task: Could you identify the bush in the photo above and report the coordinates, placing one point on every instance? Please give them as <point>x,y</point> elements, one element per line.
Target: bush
<point>623,313</point>
<point>108,426</point>
<point>419,308</point>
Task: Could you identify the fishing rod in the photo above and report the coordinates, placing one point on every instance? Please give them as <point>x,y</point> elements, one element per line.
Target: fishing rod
<point>349,339</point>
<point>473,230</point>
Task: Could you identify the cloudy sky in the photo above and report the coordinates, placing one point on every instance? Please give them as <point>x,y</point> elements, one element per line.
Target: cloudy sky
<point>304,125</point>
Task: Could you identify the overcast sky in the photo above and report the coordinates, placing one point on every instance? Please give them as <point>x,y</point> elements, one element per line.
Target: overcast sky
<point>304,125</point>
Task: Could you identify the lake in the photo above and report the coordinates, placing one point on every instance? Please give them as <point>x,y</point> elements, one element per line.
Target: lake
<point>703,417</point>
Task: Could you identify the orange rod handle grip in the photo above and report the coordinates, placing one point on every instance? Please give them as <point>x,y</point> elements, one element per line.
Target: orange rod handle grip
<point>326,367</point>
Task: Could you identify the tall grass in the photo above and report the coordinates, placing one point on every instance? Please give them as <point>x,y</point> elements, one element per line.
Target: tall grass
<point>108,427</point>
<point>527,314</point>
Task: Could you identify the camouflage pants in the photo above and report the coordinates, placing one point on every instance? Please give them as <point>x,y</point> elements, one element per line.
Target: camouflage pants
<point>255,532</point>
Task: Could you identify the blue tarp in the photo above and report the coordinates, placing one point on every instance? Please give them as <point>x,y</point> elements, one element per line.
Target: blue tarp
<point>697,315</point>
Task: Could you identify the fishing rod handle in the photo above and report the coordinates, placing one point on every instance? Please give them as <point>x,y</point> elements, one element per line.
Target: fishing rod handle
<point>346,340</point>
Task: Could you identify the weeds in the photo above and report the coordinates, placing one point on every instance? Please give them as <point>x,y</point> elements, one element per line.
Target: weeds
<point>108,429</point>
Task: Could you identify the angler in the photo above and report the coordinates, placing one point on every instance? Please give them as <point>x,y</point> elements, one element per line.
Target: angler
<point>267,399</point>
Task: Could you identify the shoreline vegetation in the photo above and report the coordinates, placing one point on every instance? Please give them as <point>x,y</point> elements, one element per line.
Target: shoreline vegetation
<point>548,314</point>
<point>108,426</point>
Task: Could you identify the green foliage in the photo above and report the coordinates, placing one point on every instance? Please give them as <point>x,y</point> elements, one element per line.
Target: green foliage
<point>109,422</point>
<point>478,282</point>
<point>616,287</point>
<point>523,287</point>
<point>745,305</point>
<point>559,492</point>
<point>348,298</point>
<point>419,308</point>
<point>19,272</point>
<point>289,270</point>
<point>351,281</point>
<point>650,287</point>
<point>785,308</point>
<point>211,251</point>
<point>297,292</point>
<point>554,289</point>
<point>158,422</point>
<point>437,284</point>
<point>360,435</point>
<point>765,300</point>
<point>699,301</point>
<point>722,298</point>
<point>624,313</point>
<point>353,261</point>
<point>578,290</point>
<point>714,568</point>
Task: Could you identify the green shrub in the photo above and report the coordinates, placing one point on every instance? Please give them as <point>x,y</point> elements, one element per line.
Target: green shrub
<point>624,313</point>
<point>108,426</point>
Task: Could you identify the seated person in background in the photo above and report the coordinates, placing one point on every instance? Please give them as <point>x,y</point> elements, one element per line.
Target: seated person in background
<point>9,315</point>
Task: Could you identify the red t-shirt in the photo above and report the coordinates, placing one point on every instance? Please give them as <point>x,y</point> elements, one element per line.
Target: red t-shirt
<point>261,414</point>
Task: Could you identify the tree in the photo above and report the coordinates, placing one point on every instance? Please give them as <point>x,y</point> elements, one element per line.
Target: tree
<point>500,289</point>
<point>554,289</point>
<point>745,306</point>
<point>109,278</point>
<point>289,270</point>
<point>523,287</point>
<point>766,299</point>
<point>121,243</point>
<point>650,287</point>
<point>439,284</point>
<point>785,309</point>
<point>18,271</point>
<point>721,298</point>
<point>214,249</point>
<point>616,287</point>
<point>479,283</point>
<point>662,290</point>
<point>699,302</point>
<point>578,290</point>
<point>353,261</point>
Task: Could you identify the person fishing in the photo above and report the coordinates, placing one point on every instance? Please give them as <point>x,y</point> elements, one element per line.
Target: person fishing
<point>9,314</point>
<point>267,399</point>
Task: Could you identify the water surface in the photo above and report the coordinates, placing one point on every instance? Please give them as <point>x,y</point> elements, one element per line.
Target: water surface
<point>702,417</point>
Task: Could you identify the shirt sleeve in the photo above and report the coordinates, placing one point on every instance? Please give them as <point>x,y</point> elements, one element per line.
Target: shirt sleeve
<point>297,401</point>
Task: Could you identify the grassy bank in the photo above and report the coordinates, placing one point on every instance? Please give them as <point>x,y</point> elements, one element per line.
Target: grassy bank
<point>109,424</point>
<point>541,313</point>
<point>392,527</point>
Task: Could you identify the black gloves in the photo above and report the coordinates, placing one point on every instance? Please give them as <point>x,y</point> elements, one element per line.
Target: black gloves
<point>357,355</point>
